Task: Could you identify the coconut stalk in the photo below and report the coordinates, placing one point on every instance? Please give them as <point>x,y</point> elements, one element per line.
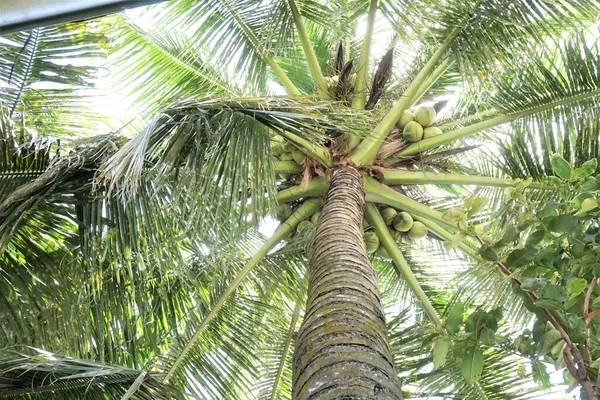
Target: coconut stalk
<point>379,193</point>
<point>311,57</point>
<point>287,167</point>
<point>451,136</point>
<point>399,177</point>
<point>435,75</point>
<point>367,150</point>
<point>382,231</point>
<point>313,150</point>
<point>360,86</point>
<point>317,187</point>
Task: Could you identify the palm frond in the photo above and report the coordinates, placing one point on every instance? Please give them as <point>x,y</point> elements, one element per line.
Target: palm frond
<point>46,73</point>
<point>220,147</point>
<point>36,374</point>
<point>173,67</point>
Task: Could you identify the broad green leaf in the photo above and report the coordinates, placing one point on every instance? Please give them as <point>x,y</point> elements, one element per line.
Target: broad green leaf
<point>474,204</point>
<point>586,169</point>
<point>539,329</point>
<point>455,318</point>
<point>577,328</point>
<point>562,223</point>
<point>487,336</point>
<point>535,237</point>
<point>576,286</point>
<point>488,253</point>
<point>471,365</point>
<point>590,185</point>
<point>510,235</point>
<point>550,304</point>
<point>587,205</point>
<point>540,376</point>
<point>521,257</point>
<point>441,345</point>
<point>555,292</point>
<point>533,284</point>
<point>549,340</point>
<point>560,166</point>
<point>454,214</point>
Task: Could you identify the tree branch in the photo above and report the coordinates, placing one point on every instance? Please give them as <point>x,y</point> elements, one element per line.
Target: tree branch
<point>575,366</point>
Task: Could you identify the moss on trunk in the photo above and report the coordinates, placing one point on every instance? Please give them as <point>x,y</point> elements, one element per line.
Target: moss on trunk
<point>342,349</point>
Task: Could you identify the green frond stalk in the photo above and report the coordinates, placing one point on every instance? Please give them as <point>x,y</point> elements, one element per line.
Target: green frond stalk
<point>435,75</point>
<point>279,73</point>
<point>360,87</point>
<point>379,193</point>
<point>382,231</point>
<point>400,177</point>
<point>286,347</point>
<point>316,187</point>
<point>311,57</point>
<point>444,234</point>
<point>287,227</point>
<point>448,137</point>
<point>368,148</point>
<point>310,148</point>
<point>135,386</point>
<point>468,119</point>
<point>286,167</point>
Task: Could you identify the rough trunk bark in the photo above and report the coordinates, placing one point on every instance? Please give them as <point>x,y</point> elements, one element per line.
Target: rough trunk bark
<point>342,349</point>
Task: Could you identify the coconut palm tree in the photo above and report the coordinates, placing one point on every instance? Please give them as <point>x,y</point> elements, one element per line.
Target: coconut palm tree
<point>382,136</point>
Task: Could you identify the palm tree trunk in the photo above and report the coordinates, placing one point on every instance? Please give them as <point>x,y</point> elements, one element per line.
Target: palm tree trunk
<point>342,350</point>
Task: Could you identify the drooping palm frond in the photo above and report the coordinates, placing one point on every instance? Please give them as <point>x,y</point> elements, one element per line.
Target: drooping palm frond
<point>173,67</point>
<point>482,29</point>
<point>48,72</point>
<point>220,147</point>
<point>30,373</point>
<point>227,342</point>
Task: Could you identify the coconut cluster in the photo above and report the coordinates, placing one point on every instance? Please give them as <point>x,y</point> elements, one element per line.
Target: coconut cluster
<point>283,150</point>
<point>401,224</point>
<point>418,125</point>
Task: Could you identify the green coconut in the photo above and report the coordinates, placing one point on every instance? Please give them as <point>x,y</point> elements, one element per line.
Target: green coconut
<point>287,156</point>
<point>365,223</point>
<point>406,117</point>
<point>398,236</point>
<point>403,222</point>
<point>418,230</point>
<point>280,145</point>
<point>383,253</point>
<point>315,217</point>
<point>371,242</point>
<point>277,148</point>
<point>283,212</point>
<point>278,139</point>
<point>298,156</point>
<point>284,176</point>
<point>413,132</point>
<point>425,115</point>
<point>388,214</point>
<point>431,131</point>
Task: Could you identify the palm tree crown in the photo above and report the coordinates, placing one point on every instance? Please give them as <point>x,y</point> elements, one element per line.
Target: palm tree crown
<point>432,202</point>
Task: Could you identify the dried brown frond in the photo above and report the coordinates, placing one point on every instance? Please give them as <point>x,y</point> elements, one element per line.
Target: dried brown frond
<point>391,146</point>
<point>338,60</point>
<point>384,71</point>
<point>345,86</point>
